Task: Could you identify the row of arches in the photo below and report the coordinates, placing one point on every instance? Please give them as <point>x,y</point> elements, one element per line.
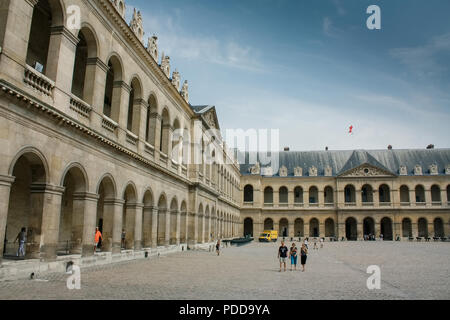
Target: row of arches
<point>350,194</point>
<point>352,229</point>
<point>64,217</point>
<point>97,81</point>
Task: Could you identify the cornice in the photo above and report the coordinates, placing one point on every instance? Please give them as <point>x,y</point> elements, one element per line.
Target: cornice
<point>63,119</point>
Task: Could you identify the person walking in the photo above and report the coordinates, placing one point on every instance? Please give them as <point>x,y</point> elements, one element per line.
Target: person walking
<point>315,244</point>
<point>22,238</point>
<point>123,238</point>
<point>282,255</point>
<point>293,256</point>
<point>303,256</point>
<point>98,236</point>
<point>306,242</point>
<point>321,243</point>
<point>218,247</point>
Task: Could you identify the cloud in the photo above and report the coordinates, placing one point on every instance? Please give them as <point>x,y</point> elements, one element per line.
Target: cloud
<point>425,60</point>
<point>329,29</point>
<point>340,9</point>
<point>174,40</point>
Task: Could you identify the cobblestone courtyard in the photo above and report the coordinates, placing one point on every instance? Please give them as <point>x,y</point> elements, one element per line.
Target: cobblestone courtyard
<point>338,271</point>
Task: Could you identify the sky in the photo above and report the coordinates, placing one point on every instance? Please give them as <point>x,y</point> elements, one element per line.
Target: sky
<point>312,69</point>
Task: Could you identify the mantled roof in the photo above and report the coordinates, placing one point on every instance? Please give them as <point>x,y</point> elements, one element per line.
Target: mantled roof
<point>340,162</point>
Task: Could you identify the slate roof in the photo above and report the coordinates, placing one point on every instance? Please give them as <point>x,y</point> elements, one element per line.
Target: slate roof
<point>201,109</point>
<point>344,160</point>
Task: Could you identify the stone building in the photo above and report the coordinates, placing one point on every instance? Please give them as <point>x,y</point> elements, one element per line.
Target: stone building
<point>94,131</point>
<point>350,194</point>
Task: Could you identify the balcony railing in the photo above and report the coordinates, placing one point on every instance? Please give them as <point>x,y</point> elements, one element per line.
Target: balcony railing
<point>268,204</point>
<point>298,204</point>
<point>366,203</point>
<point>385,203</point>
<point>420,203</point>
<point>109,124</point>
<point>283,204</point>
<point>313,204</point>
<point>132,138</point>
<point>80,107</point>
<point>38,81</point>
<point>405,204</point>
<point>149,149</point>
<point>350,204</point>
<point>329,204</point>
<point>248,203</point>
<point>436,203</point>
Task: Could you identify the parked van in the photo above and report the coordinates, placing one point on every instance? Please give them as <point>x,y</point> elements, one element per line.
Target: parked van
<point>268,235</point>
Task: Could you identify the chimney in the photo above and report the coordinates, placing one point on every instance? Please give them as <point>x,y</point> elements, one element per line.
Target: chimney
<point>286,148</point>
<point>430,146</point>
<point>389,147</point>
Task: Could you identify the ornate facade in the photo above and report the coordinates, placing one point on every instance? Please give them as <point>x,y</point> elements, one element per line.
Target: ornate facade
<point>90,136</point>
<point>401,194</point>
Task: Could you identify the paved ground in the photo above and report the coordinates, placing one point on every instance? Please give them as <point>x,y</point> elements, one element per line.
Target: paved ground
<point>338,271</point>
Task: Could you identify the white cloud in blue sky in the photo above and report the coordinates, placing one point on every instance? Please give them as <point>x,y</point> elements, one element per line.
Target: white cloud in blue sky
<point>312,68</point>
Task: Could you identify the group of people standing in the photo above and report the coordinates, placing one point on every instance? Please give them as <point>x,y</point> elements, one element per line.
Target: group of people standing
<point>284,253</point>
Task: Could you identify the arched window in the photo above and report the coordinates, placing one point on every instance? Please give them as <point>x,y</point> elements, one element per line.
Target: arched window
<point>134,106</point>
<point>420,194</point>
<point>164,134</point>
<point>404,194</point>
<point>384,193</point>
<point>248,193</point>
<point>111,107</point>
<point>313,195</point>
<point>435,194</point>
<point>83,74</point>
<point>152,115</point>
<point>367,194</point>
<point>328,195</point>
<point>298,195</point>
<point>46,15</point>
<point>283,195</point>
<point>349,193</point>
<point>268,195</point>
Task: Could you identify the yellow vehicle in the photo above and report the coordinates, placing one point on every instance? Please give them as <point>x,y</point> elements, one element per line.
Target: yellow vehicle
<point>268,235</point>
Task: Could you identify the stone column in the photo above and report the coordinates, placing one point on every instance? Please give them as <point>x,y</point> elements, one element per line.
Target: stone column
<point>118,225</point>
<point>154,243</point>
<point>167,233</point>
<point>415,228</point>
<point>306,228</point>
<point>320,194</point>
<point>428,198</point>
<point>130,224</point>
<point>16,17</point>
<point>359,230</point>
<point>306,198</point>
<point>95,84</point>
<point>108,224</point>
<point>341,230</point>
<point>89,222</point>
<point>5,187</point>
<point>119,108</point>
<point>147,226</point>
<point>412,197</point>
<point>138,226</point>
<point>321,229</point>
<point>48,233</point>
<point>178,213</point>
<point>291,229</point>
<point>60,63</point>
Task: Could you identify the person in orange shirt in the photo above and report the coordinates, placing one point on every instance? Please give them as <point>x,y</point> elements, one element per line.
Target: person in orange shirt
<point>98,236</point>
